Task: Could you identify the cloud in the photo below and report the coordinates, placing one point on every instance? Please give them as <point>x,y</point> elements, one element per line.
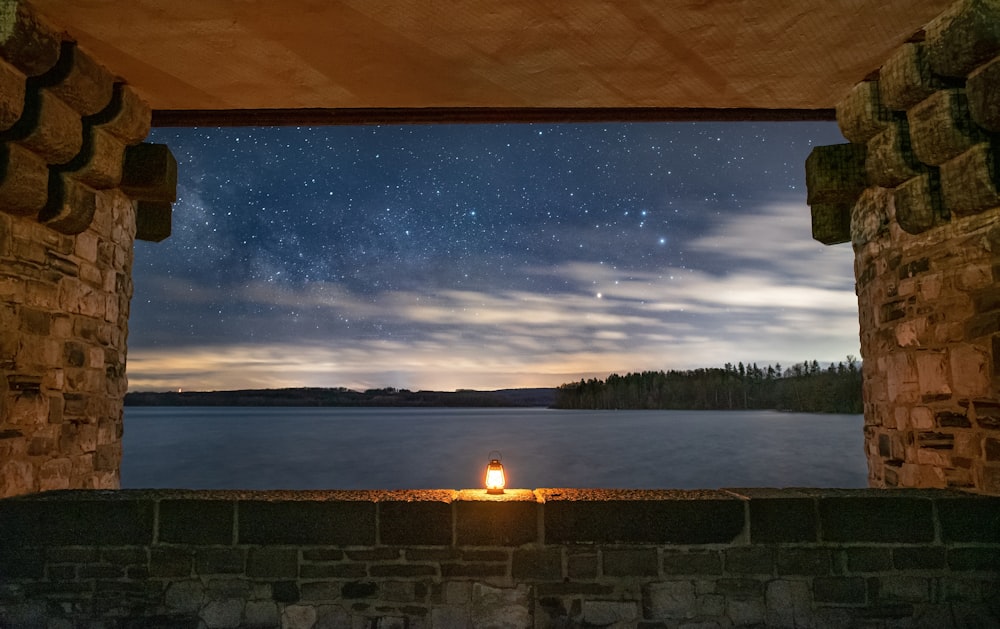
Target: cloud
<point>782,298</point>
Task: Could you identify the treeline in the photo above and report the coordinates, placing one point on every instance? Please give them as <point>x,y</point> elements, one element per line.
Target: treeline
<point>805,387</point>
<point>340,396</point>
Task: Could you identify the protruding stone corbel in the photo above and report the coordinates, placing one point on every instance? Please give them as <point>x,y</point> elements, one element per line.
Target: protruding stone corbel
<point>23,181</point>
<point>11,95</point>
<point>983,92</point>
<point>835,178</point>
<point>861,115</point>
<point>48,127</point>
<point>79,81</point>
<point>919,204</point>
<point>941,128</point>
<point>905,78</point>
<point>970,183</point>
<point>153,220</point>
<point>964,37</point>
<point>150,178</point>
<point>127,117</point>
<point>25,41</point>
<point>890,159</point>
<point>71,204</point>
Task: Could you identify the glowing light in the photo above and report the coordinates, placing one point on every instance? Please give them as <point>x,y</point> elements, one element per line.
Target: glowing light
<point>495,479</point>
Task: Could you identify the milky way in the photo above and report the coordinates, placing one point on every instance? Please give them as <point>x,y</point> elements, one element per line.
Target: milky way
<point>475,255</point>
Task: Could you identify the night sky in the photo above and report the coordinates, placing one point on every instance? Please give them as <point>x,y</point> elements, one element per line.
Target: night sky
<point>485,256</point>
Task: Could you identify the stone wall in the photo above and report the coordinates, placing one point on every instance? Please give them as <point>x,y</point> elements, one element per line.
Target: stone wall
<point>66,233</point>
<point>548,558</point>
<point>917,193</point>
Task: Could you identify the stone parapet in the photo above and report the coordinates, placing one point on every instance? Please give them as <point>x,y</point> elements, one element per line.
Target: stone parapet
<point>542,558</point>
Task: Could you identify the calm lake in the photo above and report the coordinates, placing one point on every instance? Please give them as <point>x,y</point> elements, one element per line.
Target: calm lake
<point>411,448</point>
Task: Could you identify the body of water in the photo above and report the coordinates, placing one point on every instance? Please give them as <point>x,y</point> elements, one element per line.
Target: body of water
<point>419,448</point>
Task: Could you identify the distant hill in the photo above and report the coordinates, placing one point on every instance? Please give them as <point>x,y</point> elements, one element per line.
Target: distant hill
<point>310,396</point>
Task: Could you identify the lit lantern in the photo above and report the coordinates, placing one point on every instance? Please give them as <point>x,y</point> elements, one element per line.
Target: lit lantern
<point>495,480</point>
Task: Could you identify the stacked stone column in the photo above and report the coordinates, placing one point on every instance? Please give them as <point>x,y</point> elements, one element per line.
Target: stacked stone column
<point>68,212</point>
<point>917,193</point>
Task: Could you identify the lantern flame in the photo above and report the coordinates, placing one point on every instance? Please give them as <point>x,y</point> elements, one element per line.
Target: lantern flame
<point>495,480</point>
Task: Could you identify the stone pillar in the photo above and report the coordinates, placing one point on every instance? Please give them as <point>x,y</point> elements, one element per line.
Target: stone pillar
<point>917,193</point>
<point>66,236</point>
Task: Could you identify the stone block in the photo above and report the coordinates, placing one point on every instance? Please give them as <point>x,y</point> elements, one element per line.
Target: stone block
<point>941,127</point>
<point>970,182</point>
<point>918,557</point>
<point>26,41</point>
<point>78,80</point>
<point>99,162</point>
<point>149,173</point>
<point>273,562</point>
<point>332,522</point>
<point>782,520</point>
<point>835,174</point>
<point>70,206</point>
<point>788,604</point>
<point>333,571</point>
<point>220,561</point>
<point>905,78</point>
<point>500,607</point>
<point>970,519</point>
<point>713,519</point>
<point>876,519</point>
<point>739,588</point>
<point>693,563</point>
<point>840,590</point>
<point>298,617</point>
<point>749,560</point>
<point>12,91</point>
<point>965,36</point>
<point>101,522</point>
<point>127,117</point>
<point>415,523</point>
<point>860,113</point>
<point>48,127</point>
<point>745,613</point>
<point>608,613</point>
<point>890,159</point>
<point>170,562</point>
<point>539,565</point>
<point>831,223</point>
<point>621,562</point>
<point>24,181</point>
<point>406,570</point>
<point>496,523</point>
<point>919,203</point>
<point>983,92</point>
<point>473,570</point>
<point>803,561</point>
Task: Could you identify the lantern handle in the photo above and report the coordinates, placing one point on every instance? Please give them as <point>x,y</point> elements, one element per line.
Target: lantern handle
<point>498,456</point>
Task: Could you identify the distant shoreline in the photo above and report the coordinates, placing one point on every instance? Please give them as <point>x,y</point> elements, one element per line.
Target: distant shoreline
<point>314,396</point>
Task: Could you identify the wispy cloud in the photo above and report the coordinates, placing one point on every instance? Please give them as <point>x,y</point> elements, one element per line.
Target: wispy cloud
<point>780,295</point>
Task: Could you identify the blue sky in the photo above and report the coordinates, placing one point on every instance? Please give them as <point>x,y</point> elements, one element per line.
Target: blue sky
<point>485,256</point>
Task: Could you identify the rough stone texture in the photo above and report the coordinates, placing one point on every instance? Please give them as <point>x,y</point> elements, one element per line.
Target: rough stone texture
<point>905,78</point>
<point>919,204</point>
<point>26,42</point>
<point>141,554</point>
<point>927,259</point>
<point>970,183</point>
<point>983,91</point>
<point>941,128</point>
<point>48,127</point>
<point>890,159</point>
<point>11,95</point>
<point>963,37</point>
<point>24,181</point>
<point>78,80</point>
<point>860,113</point>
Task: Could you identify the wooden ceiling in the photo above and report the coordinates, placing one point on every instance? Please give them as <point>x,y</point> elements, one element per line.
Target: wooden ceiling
<point>215,56</point>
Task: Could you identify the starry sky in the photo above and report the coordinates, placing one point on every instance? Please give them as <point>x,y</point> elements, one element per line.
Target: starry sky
<point>485,256</point>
